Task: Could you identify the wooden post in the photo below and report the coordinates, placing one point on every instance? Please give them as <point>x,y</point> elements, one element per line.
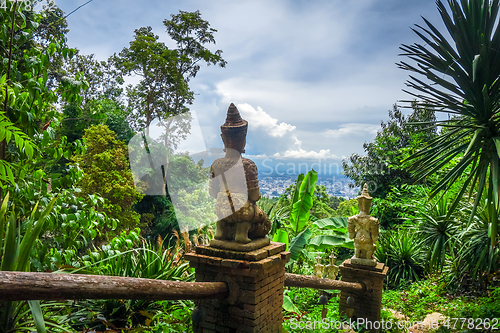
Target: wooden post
<point>365,306</point>
<point>17,286</point>
<point>255,280</point>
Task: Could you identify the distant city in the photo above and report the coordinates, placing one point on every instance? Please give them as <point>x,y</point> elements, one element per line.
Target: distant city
<point>337,185</point>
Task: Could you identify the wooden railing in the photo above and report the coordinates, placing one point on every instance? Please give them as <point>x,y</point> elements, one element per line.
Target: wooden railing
<point>54,286</point>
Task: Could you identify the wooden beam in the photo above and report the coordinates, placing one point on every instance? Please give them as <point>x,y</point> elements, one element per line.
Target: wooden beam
<point>54,286</point>
<point>309,281</point>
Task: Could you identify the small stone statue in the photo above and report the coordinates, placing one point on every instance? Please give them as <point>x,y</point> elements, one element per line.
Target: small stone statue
<point>331,269</point>
<point>234,184</point>
<point>364,229</point>
<point>319,269</point>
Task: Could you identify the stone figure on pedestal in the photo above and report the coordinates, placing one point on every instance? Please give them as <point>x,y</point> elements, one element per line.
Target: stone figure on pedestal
<point>364,229</point>
<point>234,184</point>
<point>331,269</point>
<point>319,269</point>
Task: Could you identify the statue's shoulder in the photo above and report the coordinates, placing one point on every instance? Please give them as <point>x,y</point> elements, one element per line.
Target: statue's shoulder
<point>353,218</point>
<point>247,161</point>
<point>218,166</point>
<point>217,162</point>
<point>249,165</point>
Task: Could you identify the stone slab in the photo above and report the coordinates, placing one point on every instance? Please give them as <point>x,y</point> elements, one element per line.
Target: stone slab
<point>235,246</point>
<point>256,255</point>
<point>364,262</point>
<point>378,268</point>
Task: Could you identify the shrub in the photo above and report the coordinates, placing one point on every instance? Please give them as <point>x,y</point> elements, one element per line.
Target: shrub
<point>402,251</point>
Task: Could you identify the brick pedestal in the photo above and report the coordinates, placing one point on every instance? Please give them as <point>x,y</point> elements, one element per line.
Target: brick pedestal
<point>255,280</point>
<point>367,304</point>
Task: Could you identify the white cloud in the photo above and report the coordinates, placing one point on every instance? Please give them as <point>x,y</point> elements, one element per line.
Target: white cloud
<point>323,71</point>
<point>297,153</point>
<point>301,154</point>
<point>351,129</point>
<point>259,118</point>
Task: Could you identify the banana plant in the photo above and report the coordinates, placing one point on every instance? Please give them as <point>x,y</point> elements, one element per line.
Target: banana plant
<point>333,233</point>
<point>14,256</point>
<point>300,207</point>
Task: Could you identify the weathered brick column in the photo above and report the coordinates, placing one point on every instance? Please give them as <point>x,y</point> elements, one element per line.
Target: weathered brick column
<point>256,282</point>
<point>367,304</point>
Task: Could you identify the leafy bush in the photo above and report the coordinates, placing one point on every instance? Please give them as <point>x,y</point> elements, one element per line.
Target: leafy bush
<point>106,172</point>
<point>417,299</point>
<point>402,251</point>
<point>477,257</point>
<point>119,258</point>
<point>437,230</point>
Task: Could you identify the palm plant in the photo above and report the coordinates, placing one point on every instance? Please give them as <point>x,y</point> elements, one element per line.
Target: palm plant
<point>437,230</point>
<point>402,251</point>
<point>478,258</point>
<point>462,80</point>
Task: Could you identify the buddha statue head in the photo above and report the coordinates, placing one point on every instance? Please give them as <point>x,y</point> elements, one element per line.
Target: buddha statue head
<point>364,201</point>
<point>234,130</point>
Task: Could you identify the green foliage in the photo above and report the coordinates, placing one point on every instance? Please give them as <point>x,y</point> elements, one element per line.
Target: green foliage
<point>321,204</point>
<point>22,142</point>
<point>461,79</point>
<point>296,232</point>
<point>103,78</point>
<point>333,233</point>
<point>335,202</point>
<point>72,125</point>
<point>478,307</point>
<point>308,308</point>
<point>398,138</point>
<point>418,299</point>
<point>437,230</point>
<point>402,251</point>
<point>302,201</point>
<point>27,93</point>
<point>121,257</point>
<point>347,208</point>
<point>15,247</point>
<point>478,259</point>
<point>163,90</point>
<point>395,209</point>
<point>107,174</point>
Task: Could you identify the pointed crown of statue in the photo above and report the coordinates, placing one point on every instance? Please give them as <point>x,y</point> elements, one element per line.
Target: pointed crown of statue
<point>234,129</point>
<point>364,199</point>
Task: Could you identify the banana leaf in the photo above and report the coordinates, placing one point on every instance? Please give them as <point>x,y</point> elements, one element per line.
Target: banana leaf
<point>298,243</point>
<point>303,202</point>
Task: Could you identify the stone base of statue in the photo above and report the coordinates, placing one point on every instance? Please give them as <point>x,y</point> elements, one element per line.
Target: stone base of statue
<point>363,262</point>
<point>365,304</point>
<point>255,283</point>
<point>240,247</point>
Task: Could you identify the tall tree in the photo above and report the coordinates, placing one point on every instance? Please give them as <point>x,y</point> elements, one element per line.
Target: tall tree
<point>107,173</point>
<point>103,77</point>
<point>462,79</point>
<point>163,92</point>
<point>27,96</point>
<point>381,168</point>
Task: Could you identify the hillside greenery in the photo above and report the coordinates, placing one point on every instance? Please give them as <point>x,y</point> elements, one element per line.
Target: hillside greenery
<point>70,202</point>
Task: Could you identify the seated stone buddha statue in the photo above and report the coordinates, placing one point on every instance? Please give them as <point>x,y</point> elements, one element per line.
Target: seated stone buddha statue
<point>234,184</point>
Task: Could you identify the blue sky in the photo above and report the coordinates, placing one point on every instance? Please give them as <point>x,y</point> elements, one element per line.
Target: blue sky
<point>313,78</point>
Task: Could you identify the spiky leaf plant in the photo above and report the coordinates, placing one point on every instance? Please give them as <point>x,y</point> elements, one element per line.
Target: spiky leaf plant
<point>402,251</point>
<point>437,230</point>
<point>459,76</point>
